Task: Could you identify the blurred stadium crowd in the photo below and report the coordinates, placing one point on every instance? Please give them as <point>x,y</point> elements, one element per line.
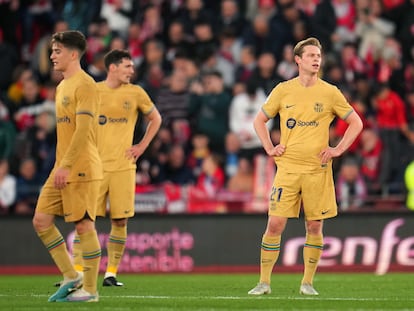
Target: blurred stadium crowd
<point>208,66</point>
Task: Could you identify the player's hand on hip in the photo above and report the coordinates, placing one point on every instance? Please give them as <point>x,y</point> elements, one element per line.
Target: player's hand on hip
<point>61,178</point>
<point>276,151</point>
<point>134,152</point>
<point>327,154</point>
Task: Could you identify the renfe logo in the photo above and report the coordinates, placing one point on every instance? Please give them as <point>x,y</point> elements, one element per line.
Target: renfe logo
<point>376,253</point>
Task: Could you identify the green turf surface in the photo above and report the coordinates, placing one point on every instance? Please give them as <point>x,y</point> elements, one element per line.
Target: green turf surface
<point>219,292</point>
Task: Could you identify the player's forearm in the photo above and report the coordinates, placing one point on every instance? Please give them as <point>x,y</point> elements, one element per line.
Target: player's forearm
<point>263,134</point>
<point>84,123</point>
<point>153,126</point>
<point>354,129</point>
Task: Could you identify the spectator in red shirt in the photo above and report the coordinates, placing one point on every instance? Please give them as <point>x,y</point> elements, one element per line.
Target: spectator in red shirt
<point>203,196</point>
<point>391,121</point>
<point>212,177</point>
<point>370,152</point>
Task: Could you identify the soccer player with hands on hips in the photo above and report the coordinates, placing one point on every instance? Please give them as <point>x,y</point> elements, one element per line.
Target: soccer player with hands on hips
<point>121,104</point>
<point>72,187</point>
<point>306,105</point>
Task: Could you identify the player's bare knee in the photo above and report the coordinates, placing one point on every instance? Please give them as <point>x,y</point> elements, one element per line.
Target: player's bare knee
<point>314,227</point>
<point>275,226</point>
<point>41,222</point>
<point>84,226</point>
<point>121,222</point>
<point>273,229</point>
<point>37,224</point>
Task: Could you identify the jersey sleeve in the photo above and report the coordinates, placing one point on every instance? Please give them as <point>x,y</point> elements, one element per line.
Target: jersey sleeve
<point>341,107</point>
<point>271,106</point>
<point>87,99</point>
<point>146,105</point>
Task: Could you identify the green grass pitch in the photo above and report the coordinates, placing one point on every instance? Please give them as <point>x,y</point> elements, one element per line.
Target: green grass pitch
<point>339,291</point>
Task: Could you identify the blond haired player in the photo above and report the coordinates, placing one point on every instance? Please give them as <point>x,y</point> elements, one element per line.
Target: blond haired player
<point>122,102</point>
<point>306,105</point>
<point>73,185</point>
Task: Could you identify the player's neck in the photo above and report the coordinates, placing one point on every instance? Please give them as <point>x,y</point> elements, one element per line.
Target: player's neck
<point>308,80</point>
<point>71,70</point>
<point>112,83</point>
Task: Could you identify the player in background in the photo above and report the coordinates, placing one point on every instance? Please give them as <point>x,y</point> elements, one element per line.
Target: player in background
<point>72,187</point>
<point>307,105</point>
<point>122,102</point>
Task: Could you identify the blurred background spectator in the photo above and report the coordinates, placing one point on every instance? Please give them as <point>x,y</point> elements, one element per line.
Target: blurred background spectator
<point>29,183</point>
<point>173,103</point>
<point>351,189</point>
<point>243,179</point>
<point>243,109</point>
<point>232,154</point>
<point>199,151</point>
<point>176,169</point>
<point>209,108</point>
<point>371,153</point>
<point>211,180</point>
<point>7,134</point>
<point>7,188</point>
<point>391,120</point>
<point>209,66</point>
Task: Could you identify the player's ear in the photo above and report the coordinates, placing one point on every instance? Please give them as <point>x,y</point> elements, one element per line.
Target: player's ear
<point>111,67</point>
<point>74,54</point>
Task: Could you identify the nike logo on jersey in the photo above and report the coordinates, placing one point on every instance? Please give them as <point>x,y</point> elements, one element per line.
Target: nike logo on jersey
<point>324,212</point>
<point>289,106</point>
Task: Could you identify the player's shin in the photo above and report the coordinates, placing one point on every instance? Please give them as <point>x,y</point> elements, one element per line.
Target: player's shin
<point>116,248</point>
<point>312,252</point>
<point>55,244</point>
<point>91,253</point>
<point>77,254</point>
<point>269,253</point>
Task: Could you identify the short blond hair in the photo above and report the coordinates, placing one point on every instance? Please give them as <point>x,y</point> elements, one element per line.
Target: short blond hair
<point>298,49</point>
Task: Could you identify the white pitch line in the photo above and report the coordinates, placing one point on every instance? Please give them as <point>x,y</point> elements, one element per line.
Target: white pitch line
<point>238,297</point>
<point>264,297</point>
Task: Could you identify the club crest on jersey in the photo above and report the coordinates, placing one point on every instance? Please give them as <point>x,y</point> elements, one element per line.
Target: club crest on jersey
<point>65,101</point>
<point>290,123</point>
<point>102,119</point>
<point>127,105</point>
<point>318,107</point>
